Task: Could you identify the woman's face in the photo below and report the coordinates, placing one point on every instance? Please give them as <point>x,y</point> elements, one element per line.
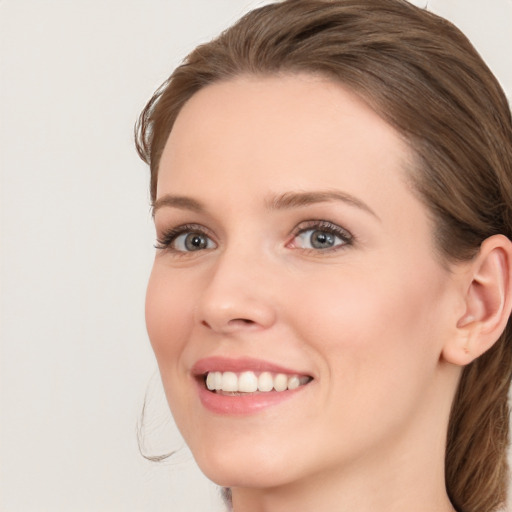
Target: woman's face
<point>294,252</point>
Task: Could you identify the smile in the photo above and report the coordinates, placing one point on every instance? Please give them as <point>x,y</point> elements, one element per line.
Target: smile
<point>252,382</point>
<point>240,386</point>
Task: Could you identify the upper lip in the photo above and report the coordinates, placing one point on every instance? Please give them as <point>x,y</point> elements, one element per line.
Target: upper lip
<point>227,364</point>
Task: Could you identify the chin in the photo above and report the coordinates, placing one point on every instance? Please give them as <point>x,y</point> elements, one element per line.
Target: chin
<point>254,468</point>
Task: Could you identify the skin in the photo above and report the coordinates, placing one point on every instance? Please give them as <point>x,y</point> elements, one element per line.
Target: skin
<point>368,320</point>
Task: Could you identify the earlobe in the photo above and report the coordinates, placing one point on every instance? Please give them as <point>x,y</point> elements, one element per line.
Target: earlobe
<point>487,301</point>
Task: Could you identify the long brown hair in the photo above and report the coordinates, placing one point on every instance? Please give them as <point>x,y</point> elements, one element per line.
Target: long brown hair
<point>420,74</point>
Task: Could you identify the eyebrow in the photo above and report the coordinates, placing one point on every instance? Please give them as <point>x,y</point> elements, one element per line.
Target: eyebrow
<point>182,202</point>
<point>288,200</point>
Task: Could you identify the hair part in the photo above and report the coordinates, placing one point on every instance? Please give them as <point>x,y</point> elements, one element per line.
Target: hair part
<point>422,76</point>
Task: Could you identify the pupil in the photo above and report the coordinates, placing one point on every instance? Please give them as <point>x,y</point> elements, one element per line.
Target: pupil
<point>195,241</point>
<point>322,240</point>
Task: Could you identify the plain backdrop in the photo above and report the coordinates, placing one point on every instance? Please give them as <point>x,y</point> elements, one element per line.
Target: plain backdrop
<point>76,245</point>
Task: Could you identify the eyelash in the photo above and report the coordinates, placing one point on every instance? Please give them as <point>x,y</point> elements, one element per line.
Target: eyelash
<point>324,226</point>
<point>169,237</point>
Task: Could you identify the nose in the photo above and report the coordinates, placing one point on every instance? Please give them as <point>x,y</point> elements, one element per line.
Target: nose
<point>237,295</point>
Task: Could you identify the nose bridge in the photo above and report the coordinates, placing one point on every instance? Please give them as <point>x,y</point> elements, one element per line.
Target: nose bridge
<point>237,294</point>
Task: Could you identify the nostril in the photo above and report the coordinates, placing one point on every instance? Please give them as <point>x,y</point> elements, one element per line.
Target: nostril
<point>233,322</point>
<point>229,326</point>
<point>243,321</point>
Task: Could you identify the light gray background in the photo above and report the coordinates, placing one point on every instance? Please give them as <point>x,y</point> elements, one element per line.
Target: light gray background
<point>76,244</point>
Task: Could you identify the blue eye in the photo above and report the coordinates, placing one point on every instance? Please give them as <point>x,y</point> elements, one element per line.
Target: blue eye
<point>315,239</point>
<point>185,239</point>
<point>322,237</point>
<point>192,242</point>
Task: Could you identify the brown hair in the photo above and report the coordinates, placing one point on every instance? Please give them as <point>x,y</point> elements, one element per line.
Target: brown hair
<point>422,75</point>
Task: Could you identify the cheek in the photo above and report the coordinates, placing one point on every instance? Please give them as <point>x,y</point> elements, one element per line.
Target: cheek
<point>168,318</point>
<point>372,325</point>
<point>375,338</point>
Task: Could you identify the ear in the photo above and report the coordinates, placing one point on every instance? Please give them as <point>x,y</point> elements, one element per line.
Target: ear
<point>487,302</point>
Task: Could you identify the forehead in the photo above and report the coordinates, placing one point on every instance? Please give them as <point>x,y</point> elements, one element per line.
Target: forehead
<point>280,132</point>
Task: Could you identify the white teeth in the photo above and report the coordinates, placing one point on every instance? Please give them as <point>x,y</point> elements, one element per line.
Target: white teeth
<point>280,382</point>
<point>247,382</point>
<point>265,382</point>
<point>250,382</point>
<point>229,381</point>
<point>218,380</point>
<point>210,381</point>
<point>293,382</point>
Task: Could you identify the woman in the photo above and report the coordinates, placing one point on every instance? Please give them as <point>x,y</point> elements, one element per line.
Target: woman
<point>331,186</point>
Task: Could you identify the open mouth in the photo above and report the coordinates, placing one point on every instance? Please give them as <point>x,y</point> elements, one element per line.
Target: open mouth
<point>238,383</point>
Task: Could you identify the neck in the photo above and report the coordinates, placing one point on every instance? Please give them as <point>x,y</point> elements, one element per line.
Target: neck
<point>388,489</point>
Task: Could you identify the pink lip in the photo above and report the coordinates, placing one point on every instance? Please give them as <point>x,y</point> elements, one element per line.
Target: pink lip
<point>240,404</point>
<point>225,364</point>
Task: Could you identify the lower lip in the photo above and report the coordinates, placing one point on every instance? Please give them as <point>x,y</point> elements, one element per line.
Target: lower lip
<point>243,404</point>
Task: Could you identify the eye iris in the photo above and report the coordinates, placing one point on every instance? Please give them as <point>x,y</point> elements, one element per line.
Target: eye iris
<point>195,241</point>
<point>321,240</point>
